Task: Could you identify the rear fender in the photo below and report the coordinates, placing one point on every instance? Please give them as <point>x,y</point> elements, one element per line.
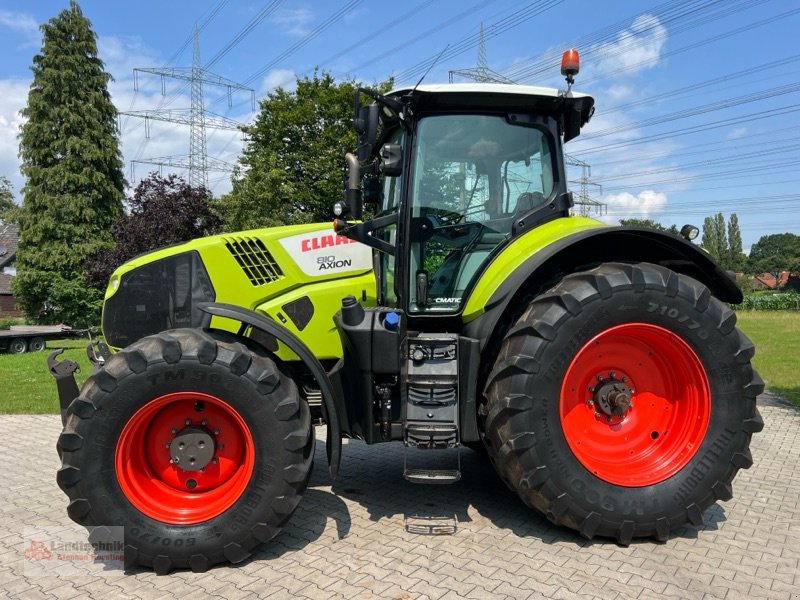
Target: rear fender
<point>546,265</point>
<point>333,445</point>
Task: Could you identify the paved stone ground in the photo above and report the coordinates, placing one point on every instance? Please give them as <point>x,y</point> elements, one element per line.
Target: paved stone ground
<point>349,541</point>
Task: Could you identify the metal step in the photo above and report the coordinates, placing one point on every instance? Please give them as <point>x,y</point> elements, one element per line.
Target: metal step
<point>432,476</point>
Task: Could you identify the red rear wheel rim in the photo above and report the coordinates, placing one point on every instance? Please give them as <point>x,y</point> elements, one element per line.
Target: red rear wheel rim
<point>669,409</point>
<point>164,491</point>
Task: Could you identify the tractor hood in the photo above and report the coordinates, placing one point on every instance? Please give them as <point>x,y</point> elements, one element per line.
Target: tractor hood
<point>289,273</point>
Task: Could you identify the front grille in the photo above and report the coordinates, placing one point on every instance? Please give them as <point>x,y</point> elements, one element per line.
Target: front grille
<point>157,296</point>
<point>255,260</point>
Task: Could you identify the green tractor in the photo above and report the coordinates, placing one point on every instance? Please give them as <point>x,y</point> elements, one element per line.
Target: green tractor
<point>599,367</point>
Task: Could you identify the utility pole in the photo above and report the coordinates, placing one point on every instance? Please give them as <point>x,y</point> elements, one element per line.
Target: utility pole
<point>196,117</point>
<point>480,73</point>
<point>585,202</point>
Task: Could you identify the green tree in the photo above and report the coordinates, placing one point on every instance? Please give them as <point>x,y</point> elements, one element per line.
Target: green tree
<point>291,167</point>
<point>736,259</point>
<point>649,224</point>
<point>8,208</point>
<point>775,253</point>
<point>162,211</point>
<point>715,240</point>
<point>73,169</point>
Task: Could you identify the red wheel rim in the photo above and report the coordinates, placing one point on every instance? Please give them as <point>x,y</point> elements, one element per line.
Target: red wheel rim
<point>669,404</point>
<point>162,490</point>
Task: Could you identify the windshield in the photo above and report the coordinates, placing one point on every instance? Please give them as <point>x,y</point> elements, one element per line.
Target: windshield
<point>473,176</point>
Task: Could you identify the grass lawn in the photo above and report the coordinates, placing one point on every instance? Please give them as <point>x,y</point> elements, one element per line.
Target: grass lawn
<point>29,388</point>
<point>777,339</point>
<point>27,385</point>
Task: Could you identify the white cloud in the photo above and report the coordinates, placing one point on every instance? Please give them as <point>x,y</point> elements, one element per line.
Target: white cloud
<point>635,49</point>
<point>647,204</point>
<point>13,97</point>
<point>619,93</point>
<point>22,23</point>
<point>736,133</point>
<point>294,21</point>
<point>283,78</point>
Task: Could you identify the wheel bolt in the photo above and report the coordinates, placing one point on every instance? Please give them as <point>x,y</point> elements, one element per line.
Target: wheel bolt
<point>214,460</point>
<point>590,403</point>
<point>611,374</point>
<point>597,414</point>
<point>216,432</point>
<point>591,389</point>
<point>167,445</point>
<point>174,430</point>
<point>188,422</point>
<point>204,422</point>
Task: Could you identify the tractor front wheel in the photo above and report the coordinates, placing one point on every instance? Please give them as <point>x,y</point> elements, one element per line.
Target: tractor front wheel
<point>198,445</point>
<point>622,402</point>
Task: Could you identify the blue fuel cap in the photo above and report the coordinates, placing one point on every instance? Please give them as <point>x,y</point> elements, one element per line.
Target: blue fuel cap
<point>391,321</point>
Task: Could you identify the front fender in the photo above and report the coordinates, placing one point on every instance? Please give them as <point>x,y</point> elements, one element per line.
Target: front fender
<point>333,444</point>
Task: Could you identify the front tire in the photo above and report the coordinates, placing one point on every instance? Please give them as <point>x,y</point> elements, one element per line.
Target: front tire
<point>197,444</point>
<point>622,402</point>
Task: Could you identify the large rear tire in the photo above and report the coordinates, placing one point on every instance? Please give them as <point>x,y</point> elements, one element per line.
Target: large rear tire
<point>622,402</point>
<point>196,444</point>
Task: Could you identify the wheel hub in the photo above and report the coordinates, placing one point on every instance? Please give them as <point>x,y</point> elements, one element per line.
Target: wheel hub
<point>191,449</point>
<point>612,396</point>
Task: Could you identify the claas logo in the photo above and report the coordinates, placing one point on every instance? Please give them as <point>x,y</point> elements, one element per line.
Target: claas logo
<point>324,241</point>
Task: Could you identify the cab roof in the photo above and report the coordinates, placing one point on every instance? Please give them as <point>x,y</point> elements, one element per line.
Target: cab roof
<point>437,97</point>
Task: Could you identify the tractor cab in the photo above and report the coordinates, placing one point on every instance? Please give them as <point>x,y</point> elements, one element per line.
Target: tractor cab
<point>454,173</point>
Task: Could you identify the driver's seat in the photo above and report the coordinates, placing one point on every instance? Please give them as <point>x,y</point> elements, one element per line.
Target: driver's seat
<point>527,201</point>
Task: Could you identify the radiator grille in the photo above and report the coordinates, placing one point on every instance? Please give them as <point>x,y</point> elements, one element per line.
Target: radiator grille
<point>254,259</point>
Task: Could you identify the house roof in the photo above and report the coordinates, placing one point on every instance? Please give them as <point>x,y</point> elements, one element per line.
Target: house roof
<point>5,284</point>
<point>9,236</point>
<point>768,279</point>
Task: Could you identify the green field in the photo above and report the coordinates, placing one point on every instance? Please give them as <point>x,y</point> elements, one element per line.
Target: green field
<point>777,339</point>
<point>28,387</point>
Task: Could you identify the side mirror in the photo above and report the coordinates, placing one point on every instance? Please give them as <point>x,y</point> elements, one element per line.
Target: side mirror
<point>366,125</point>
<point>391,163</point>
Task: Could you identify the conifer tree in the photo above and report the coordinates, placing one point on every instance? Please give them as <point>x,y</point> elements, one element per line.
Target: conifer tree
<point>73,170</point>
<point>737,259</point>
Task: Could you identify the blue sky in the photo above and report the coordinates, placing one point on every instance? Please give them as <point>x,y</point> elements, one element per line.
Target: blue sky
<point>698,101</point>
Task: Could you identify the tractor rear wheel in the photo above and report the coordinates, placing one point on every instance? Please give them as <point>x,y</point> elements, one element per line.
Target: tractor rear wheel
<point>622,402</point>
<point>198,445</point>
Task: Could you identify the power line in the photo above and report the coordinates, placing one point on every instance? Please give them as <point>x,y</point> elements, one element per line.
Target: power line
<point>492,30</point>
<point>683,131</point>
<point>196,117</point>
